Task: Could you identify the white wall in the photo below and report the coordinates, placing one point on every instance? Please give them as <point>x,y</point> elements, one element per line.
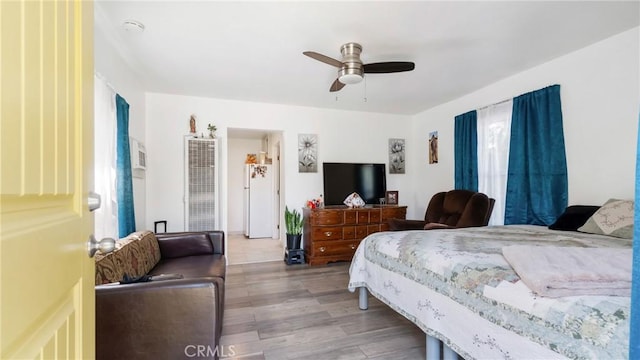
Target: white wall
<point>109,64</point>
<point>342,136</point>
<point>600,95</point>
<point>600,102</point>
<point>599,89</point>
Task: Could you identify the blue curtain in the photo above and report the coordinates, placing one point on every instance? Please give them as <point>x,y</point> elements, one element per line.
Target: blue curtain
<point>634,336</point>
<point>537,185</point>
<point>466,151</point>
<point>124,183</point>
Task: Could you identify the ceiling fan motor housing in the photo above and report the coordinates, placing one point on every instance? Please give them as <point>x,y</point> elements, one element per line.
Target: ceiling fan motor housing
<point>352,71</point>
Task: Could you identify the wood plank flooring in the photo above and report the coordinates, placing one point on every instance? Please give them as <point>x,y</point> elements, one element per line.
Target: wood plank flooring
<point>241,250</point>
<point>274,311</point>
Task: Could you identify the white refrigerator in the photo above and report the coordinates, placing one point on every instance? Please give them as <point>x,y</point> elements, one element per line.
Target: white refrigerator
<point>258,201</point>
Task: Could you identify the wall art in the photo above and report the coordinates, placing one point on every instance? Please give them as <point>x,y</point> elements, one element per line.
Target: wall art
<point>396,156</point>
<point>307,153</point>
<point>433,147</point>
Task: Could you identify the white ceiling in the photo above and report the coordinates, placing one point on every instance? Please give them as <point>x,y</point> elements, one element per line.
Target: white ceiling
<point>252,51</point>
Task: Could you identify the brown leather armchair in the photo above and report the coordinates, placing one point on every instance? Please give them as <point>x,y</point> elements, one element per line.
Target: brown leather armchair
<point>450,209</point>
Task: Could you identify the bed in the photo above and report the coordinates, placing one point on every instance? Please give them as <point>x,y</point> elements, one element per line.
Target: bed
<point>457,286</point>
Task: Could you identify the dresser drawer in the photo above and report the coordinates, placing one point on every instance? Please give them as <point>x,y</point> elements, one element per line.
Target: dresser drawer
<point>350,217</point>
<point>348,232</point>
<point>331,248</point>
<point>326,233</point>
<point>373,228</point>
<point>326,217</point>
<point>363,216</point>
<point>394,212</point>
<point>374,216</point>
<point>361,232</point>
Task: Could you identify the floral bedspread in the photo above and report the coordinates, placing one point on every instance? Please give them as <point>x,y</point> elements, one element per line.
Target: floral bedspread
<point>456,286</point>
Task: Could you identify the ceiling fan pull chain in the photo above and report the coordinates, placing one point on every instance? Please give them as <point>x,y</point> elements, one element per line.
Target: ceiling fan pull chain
<point>365,89</point>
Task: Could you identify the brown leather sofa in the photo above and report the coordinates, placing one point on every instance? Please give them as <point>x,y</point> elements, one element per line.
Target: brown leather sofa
<point>174,316</point>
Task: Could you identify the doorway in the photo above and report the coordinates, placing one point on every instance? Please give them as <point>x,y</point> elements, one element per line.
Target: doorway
<point>267,247</point>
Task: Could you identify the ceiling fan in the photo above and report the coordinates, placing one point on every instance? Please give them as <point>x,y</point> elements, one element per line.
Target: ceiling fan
<point>352,69</point>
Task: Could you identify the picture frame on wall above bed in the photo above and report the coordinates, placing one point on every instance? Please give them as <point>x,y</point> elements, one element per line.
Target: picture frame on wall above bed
<point>391,198</point>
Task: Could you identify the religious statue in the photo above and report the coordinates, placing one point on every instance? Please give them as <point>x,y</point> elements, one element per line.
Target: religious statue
<point>192,124</point>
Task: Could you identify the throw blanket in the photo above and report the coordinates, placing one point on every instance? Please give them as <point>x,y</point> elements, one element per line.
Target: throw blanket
<point>570,271</point>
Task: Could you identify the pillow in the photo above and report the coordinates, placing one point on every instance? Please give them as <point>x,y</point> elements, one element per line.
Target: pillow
<point>614,218</point>
<point>135,255</point>
<point>573,217</point>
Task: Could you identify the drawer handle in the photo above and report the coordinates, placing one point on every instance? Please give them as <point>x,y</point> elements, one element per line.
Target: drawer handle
<point>353,247</point>
<point>322,249</point>
<point>328,233</point>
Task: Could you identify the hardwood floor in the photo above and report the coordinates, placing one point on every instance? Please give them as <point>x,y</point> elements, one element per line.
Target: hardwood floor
<point>242,250</point>
<point>275,311</point>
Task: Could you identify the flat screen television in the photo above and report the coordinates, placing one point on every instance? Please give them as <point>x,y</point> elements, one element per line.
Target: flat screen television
<point>342,179</point>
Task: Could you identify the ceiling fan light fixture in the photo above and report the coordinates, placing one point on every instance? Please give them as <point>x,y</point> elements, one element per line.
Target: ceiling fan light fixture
<point>350,76</point>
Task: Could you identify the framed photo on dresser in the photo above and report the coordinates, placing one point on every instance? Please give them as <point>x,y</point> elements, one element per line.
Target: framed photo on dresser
<point>391,197</point>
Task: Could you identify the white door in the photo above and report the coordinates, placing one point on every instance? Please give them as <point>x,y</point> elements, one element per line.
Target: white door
<point>46,167</point>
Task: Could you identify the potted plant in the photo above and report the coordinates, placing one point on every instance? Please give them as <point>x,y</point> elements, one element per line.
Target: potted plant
<point>294,223</point>
<point>212,130</point>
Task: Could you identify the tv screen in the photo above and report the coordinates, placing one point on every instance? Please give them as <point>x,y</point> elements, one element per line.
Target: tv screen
<point>342,179</point>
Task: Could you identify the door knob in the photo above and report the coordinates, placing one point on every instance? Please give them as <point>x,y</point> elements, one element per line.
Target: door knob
<point>94,201</point>
<point>105,245</point>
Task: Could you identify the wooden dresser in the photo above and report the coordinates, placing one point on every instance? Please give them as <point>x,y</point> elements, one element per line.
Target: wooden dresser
<point>333,233</point>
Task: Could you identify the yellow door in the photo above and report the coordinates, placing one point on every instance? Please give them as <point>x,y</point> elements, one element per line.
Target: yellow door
<point>46,165</point>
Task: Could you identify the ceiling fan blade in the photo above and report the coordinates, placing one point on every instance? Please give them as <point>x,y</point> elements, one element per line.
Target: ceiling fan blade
<point>325,59</point>
<point>388,67</point>
<point>336,86</point>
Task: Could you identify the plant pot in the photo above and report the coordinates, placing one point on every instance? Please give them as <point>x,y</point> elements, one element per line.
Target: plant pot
<point>293,241</point>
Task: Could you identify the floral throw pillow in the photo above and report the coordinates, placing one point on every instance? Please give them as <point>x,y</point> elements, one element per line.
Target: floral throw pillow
<point>134,256</point>
<point>614,218</point>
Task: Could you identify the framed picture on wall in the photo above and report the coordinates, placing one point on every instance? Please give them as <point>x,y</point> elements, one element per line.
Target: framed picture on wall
<point>307,153</point>
<point>391,198</point>
<point>433,147</point>
<point>396,156</point>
